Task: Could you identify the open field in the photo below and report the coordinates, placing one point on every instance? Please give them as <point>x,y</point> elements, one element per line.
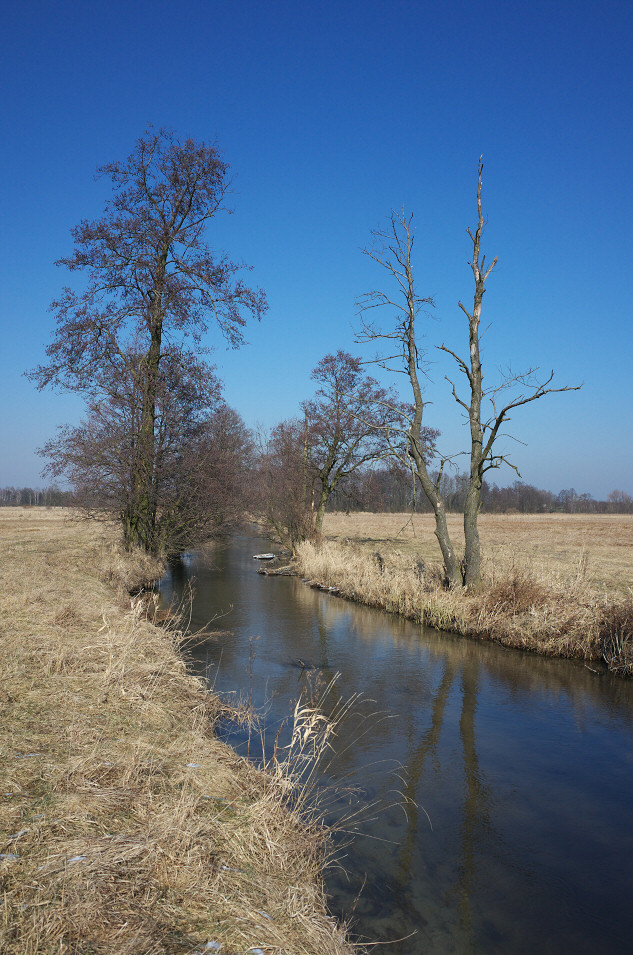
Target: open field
<point>558,585</point>
<point>600,545</point>
<point>125,825</point>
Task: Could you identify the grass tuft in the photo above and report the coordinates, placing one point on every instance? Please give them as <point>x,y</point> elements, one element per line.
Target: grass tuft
<point>616,633</point>
<point>518,592</point>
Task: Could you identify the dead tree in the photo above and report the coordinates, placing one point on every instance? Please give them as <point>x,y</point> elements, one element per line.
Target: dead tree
<point>487,409</point>
<point>392,250</point>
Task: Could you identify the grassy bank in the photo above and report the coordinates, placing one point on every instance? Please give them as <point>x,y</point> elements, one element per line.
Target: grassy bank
<point>126,826</point>
<point>559,585</point>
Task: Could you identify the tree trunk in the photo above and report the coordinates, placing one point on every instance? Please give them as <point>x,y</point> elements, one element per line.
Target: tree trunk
<point>142,520</point>
<point>451,566</point>
<point>320,511</point>
<point>472,553</point>
<point>142,523</point>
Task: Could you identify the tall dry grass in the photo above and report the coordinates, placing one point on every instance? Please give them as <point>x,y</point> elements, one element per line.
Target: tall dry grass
<point>549,544</point>
<point>518,605</point>
<point>126,826</point>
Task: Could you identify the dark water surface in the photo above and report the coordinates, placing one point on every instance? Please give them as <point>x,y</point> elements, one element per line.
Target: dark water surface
<point>519,771</point>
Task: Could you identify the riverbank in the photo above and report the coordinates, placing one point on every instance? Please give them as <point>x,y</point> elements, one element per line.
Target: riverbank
<point>527,601</point>
<point>127,826</point>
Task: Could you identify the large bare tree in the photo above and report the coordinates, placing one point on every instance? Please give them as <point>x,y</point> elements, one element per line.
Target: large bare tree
<point>486,409</point>
<point>149,280</point>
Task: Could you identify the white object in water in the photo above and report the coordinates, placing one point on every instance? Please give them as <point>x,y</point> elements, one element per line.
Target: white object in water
<point>264,556</point>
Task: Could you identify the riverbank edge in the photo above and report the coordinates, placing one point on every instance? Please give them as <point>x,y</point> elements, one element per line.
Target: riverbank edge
<point>128,826</point>
<point>517,609</point>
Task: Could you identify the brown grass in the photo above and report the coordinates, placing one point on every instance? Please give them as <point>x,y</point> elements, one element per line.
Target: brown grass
<point>601,545</point>
<point>538,592</point>
<point>126,826</point>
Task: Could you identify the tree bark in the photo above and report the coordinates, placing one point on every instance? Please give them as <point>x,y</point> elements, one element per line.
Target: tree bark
<point>451,566</point>
<point>320,512</point>
<point>472,551</point>
<point>142,524</point>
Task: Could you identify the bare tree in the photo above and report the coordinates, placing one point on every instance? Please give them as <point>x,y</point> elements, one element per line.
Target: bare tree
<point>392,250</point>
<point>348,424</point>
<point>620,502</point>
<point>499,401</point>
<point>151,281</point>
<point>226,451</point>
<point>287,484</point>
<point>202,453</point>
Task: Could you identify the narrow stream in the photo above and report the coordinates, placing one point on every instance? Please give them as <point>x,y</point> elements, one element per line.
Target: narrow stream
<point>503,782</point>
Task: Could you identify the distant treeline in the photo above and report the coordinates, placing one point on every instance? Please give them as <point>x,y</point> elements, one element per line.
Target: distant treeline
<point>35,497</point>
<point>392,489</point>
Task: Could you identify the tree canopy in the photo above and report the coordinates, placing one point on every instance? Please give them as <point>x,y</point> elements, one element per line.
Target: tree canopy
<point>150,287</point>
<point>351,421</point>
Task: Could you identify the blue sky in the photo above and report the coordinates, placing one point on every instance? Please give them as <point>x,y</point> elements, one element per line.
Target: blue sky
<point>331,114</point>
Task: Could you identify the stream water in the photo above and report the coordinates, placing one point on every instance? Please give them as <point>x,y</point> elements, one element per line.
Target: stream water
<point>493,788</point>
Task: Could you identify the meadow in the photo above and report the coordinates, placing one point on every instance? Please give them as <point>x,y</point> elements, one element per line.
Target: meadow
<point>599,546</point>
<point>127,826</point>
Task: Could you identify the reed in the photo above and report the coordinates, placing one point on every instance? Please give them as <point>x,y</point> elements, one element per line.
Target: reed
<point>127,825</point>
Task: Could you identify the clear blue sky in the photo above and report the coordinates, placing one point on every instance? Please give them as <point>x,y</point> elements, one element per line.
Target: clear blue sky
<point>330,114</point>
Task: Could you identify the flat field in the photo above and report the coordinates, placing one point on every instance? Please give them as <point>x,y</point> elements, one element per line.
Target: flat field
<point>598,547</point>
<point>126,826</point>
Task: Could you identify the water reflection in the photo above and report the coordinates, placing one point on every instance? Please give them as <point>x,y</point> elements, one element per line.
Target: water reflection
<point>515,771</point>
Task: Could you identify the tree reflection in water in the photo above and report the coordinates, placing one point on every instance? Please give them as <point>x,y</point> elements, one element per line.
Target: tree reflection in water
<point>514,770</point>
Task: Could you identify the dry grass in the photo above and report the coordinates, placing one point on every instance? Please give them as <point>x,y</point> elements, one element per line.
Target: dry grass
<point>126,826</point>
<point>601,545</point>
<point>537,594</point>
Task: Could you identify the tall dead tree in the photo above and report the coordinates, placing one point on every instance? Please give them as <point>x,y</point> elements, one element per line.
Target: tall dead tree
<point>487,409</point>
